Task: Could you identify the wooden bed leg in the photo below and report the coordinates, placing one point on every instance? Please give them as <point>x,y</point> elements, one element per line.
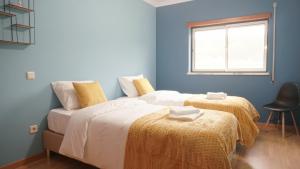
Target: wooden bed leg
<point>48,154</point>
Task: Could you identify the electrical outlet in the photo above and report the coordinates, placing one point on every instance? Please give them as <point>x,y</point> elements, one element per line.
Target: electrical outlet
<point>33,129</point>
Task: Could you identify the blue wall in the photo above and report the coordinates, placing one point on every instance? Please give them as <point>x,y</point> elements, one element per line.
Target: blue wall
<point>104,39</point>
<point>75,40</point>
<point>172,48</point>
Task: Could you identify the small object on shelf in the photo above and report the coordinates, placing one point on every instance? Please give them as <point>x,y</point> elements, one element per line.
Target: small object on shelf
<point>19,4</point>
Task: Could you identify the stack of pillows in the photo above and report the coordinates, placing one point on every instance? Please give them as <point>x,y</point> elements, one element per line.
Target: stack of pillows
<point>80,94</point>
<point>134,86</point>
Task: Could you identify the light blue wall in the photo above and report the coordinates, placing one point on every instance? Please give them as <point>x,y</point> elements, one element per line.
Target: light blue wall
<point>75,40</point>
<point>172,48</point>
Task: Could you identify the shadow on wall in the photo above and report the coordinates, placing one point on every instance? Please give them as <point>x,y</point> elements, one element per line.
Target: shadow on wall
<point>22,113</point>
<point>14,47</point>
<point>116,91</point>
<point>37,139</point>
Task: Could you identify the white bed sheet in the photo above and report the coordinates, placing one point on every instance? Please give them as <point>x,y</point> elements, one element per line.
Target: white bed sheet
<point>163,97</point>
<point>58,120</point>
<point>97,135</point>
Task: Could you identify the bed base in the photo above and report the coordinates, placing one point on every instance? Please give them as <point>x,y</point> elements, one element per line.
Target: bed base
<point>52,142</point>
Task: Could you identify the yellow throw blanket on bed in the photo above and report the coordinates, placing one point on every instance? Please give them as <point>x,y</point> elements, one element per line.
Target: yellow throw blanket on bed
<point>157,142</point>
<point>244,111</point>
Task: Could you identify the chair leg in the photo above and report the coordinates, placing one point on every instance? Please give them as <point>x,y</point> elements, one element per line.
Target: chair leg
<point>283,124</point>
<point>279,119</point>
<point>48,153</point>
<point>295,124</point>
<point>269,118</point>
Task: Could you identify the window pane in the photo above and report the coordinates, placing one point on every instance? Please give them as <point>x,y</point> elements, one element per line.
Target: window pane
<point>209,49</point>
<point>246,47</point>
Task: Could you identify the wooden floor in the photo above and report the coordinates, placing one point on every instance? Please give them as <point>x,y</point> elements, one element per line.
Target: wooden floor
<point>269,152</point>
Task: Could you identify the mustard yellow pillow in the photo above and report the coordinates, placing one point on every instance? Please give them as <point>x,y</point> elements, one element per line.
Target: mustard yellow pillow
<point>143,86</point>
<point>89,94</point>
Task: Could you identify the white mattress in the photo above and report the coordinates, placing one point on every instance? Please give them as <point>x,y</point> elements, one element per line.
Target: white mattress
<point>58,120</point>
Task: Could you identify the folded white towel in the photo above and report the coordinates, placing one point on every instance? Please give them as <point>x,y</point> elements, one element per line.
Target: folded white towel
<point>183,110</point>
<point>187,117</point>
<point>216,96</point>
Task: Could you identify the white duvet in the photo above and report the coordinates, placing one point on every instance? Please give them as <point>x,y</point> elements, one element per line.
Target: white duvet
<point>166,97</point>
<point>97,135</point>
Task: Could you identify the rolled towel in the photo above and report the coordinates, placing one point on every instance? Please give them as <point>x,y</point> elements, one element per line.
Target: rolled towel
<point>187,117</point>
<point>216,96</point>
<point>183,110</point>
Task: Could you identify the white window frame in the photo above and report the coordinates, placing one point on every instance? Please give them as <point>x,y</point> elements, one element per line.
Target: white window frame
<point>226,71</point>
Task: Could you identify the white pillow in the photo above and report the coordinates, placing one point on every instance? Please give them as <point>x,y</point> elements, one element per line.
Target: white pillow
<point>66,93</point>
<point>126,83</point>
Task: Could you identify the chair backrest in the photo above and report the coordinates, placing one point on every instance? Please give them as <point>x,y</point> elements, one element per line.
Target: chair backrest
<point>289,95</point>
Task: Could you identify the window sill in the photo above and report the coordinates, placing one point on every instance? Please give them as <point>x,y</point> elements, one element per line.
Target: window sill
<point>230,73</point>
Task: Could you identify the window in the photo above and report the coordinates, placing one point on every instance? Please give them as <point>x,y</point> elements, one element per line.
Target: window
<point>230,48</point>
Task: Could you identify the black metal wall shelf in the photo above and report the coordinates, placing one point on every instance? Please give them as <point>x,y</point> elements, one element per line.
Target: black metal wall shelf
<point>21,26</point>
<point>21,9</point>
<point>6,14</point>
<point>5,42</point>
<point>12,10</point>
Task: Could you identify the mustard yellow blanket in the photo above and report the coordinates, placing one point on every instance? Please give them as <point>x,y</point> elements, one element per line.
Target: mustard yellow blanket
<point>244,111</point>
<point>156,142</point>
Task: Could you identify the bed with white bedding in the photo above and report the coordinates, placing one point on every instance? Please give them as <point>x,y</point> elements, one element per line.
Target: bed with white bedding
<point>244,111</point>
<point>98,135</point>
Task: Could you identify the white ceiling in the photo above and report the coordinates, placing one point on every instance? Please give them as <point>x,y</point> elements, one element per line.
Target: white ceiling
<point>159,3</point>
